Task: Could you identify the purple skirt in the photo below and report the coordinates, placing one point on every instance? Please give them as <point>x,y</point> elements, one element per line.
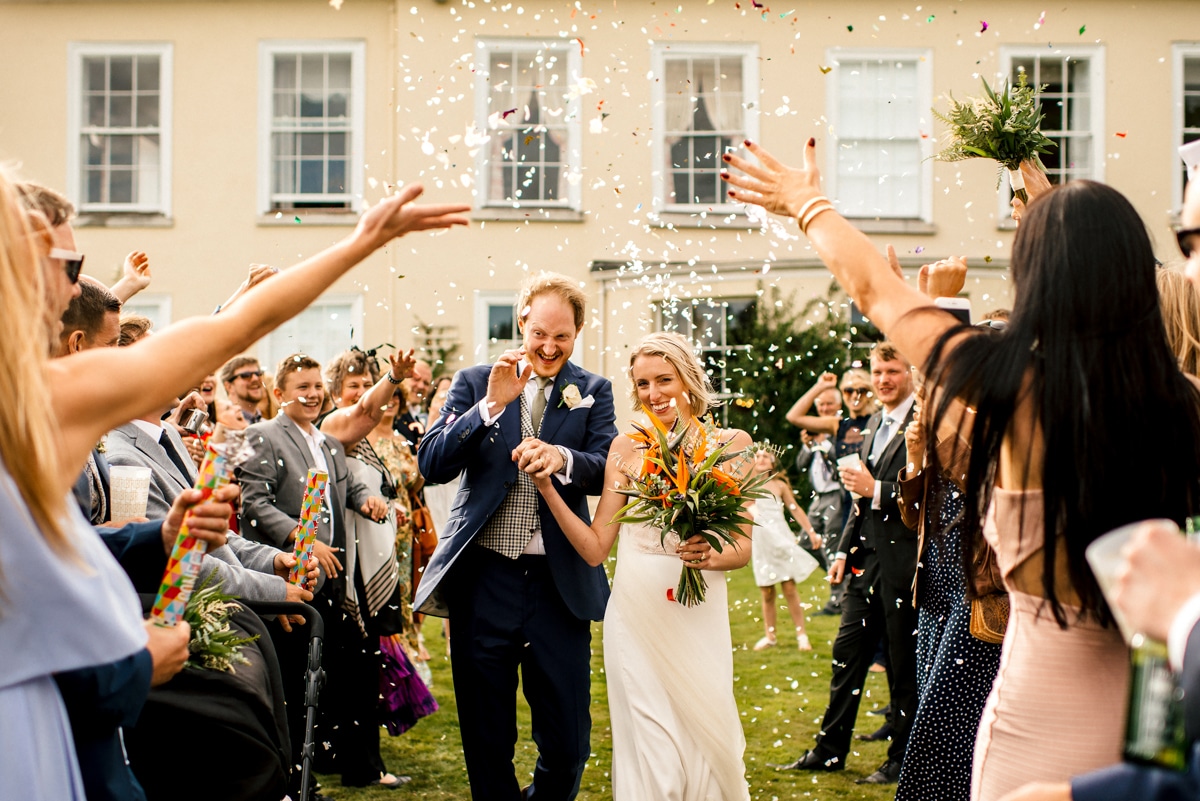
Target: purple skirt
<point>404,698</point>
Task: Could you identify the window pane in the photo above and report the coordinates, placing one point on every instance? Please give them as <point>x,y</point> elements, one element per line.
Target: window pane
<point>312,144</point>
<point>120,150</point>
<point>147,111</point>
<point>285,105</point>
<point>121,74</point>
<point>336,144</point>
<point>120,186</point>
<point>147,73</point>
<point>337,176</point>
<point>1051,75</point>
<point>285,72</point>
<point>1191,111</point>
<point>94,186</point>
<point>500,322</point>
<point>120,111</point>
<point>93,150</point>
<point>94,71</point>
<point>311,177</point>
<point>339,72</point>
<point>96,106</point>
<point>339,105</point>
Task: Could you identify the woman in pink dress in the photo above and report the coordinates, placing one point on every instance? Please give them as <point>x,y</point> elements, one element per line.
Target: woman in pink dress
<point>1052,465</point>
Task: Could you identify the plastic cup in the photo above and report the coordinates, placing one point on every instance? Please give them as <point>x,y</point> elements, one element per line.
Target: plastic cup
<point>847,462</point>
<point>1104,557</point>
<point>129,489</point>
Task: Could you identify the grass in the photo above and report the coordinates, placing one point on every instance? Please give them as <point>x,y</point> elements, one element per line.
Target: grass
<point>781,693</point>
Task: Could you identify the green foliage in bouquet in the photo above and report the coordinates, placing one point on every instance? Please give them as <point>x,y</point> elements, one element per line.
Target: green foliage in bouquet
<point>1004,125</point>
<point>684,485</point>
<point>214,645</point>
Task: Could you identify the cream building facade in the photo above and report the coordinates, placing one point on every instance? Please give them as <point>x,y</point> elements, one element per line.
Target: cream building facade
<point>217,134</point>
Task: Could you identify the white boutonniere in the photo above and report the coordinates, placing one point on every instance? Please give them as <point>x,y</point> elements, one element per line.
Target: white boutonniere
<point>570,396</point>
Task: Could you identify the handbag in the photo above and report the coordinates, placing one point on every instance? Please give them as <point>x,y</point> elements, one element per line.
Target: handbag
<point>425,538</point>
<point>989,601</point>
<point>989,617</point>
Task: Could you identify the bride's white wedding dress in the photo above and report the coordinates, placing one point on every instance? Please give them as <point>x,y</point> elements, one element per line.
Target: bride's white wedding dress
<point>676,732</point>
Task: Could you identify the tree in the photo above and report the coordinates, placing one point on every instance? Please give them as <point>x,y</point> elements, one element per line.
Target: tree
<point>788,349</point>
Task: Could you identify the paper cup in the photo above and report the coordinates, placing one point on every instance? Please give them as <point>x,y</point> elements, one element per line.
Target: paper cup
<point>1104,557</point>
<point>848,461</point>
<point>130,487</point>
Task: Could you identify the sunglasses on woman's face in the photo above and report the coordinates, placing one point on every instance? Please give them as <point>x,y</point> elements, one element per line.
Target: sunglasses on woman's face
<point>856,391</point>
<point>1189,241</point>
<point>72,261</point>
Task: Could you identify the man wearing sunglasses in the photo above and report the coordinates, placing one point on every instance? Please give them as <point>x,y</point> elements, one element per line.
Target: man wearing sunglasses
<point>242,377</point>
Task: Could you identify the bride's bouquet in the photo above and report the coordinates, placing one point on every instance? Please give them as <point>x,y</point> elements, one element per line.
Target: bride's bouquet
<point>689,483</point>
<point>1004,125</point>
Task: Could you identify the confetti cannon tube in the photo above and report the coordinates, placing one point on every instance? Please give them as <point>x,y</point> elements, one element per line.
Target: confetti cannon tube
<point>184,563</point>
<point>310,510</point>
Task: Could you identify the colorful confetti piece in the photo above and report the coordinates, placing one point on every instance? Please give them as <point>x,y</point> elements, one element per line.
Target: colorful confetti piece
<point>1082,28</point>
<point>1122,134</point>
<point>983,24</point>
<point>826,70</point>
<point>1041,21</point>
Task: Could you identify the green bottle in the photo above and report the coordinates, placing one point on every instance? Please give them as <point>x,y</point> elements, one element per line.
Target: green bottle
<point>1154,728</point>
<point>1192,528</point>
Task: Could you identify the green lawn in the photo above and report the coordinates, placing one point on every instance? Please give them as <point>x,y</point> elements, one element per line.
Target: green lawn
<point>781,694</point>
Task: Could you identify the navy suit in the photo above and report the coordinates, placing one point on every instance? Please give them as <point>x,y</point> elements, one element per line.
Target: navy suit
<point>532,612</point>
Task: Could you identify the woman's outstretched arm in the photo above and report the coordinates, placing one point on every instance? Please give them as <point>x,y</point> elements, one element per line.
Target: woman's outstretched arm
<point>862,271</point>
<point>99,389</point>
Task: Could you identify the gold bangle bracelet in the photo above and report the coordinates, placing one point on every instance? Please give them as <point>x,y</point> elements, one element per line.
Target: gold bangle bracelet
<point>812,202</point>
<point>812,215</point>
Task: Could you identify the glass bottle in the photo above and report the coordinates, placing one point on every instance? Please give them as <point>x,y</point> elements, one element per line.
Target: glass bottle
<point>1154,728</point>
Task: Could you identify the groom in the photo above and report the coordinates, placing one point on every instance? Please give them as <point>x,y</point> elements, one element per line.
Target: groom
<point>516,592</point>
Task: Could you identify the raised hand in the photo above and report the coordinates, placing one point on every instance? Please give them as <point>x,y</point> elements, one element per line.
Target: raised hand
<point>505,383</point>
<point>397,215</point>
<point>402,364</point>
<point>136,271</point>
<point>771,184</point>
<point>944,278</point>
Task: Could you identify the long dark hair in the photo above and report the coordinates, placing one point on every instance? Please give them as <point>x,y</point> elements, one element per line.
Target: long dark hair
<point>1086,348</point>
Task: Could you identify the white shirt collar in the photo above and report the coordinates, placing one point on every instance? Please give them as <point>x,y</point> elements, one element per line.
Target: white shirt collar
<point>153,429</point>
<point>898,414</point>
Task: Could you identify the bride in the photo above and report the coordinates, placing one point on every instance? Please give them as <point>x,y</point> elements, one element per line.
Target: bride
<point>676,731</point>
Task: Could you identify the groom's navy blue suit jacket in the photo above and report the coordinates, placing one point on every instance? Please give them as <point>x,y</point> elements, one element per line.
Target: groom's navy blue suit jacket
<point>459,442</point>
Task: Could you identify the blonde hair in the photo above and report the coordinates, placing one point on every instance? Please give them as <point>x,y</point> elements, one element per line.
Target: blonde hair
<point>28,428</point>
<point>1180,304</point>
<point>854,374</point>
<point>553,284</point>
<point>677,352</point>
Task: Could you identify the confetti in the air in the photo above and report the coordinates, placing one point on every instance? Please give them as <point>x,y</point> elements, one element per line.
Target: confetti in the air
<point>983,25</point>
<point>1082,28</point>
<point>504,114</point>
<point>1122,134</point>
<point>337,4</point>
<point>826,70</point>
<point>297,218</point>
<point>1041,21</point>
<point>931,18</point>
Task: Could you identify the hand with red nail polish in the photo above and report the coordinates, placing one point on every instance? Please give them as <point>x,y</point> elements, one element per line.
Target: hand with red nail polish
<point>771,184</point>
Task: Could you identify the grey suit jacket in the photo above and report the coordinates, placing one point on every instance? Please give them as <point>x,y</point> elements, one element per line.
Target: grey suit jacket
<point>273,483</point>
<point>131,446</point>
<point>243,568</point>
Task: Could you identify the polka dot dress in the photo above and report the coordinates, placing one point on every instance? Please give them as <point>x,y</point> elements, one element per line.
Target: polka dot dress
<point>955,671</point>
